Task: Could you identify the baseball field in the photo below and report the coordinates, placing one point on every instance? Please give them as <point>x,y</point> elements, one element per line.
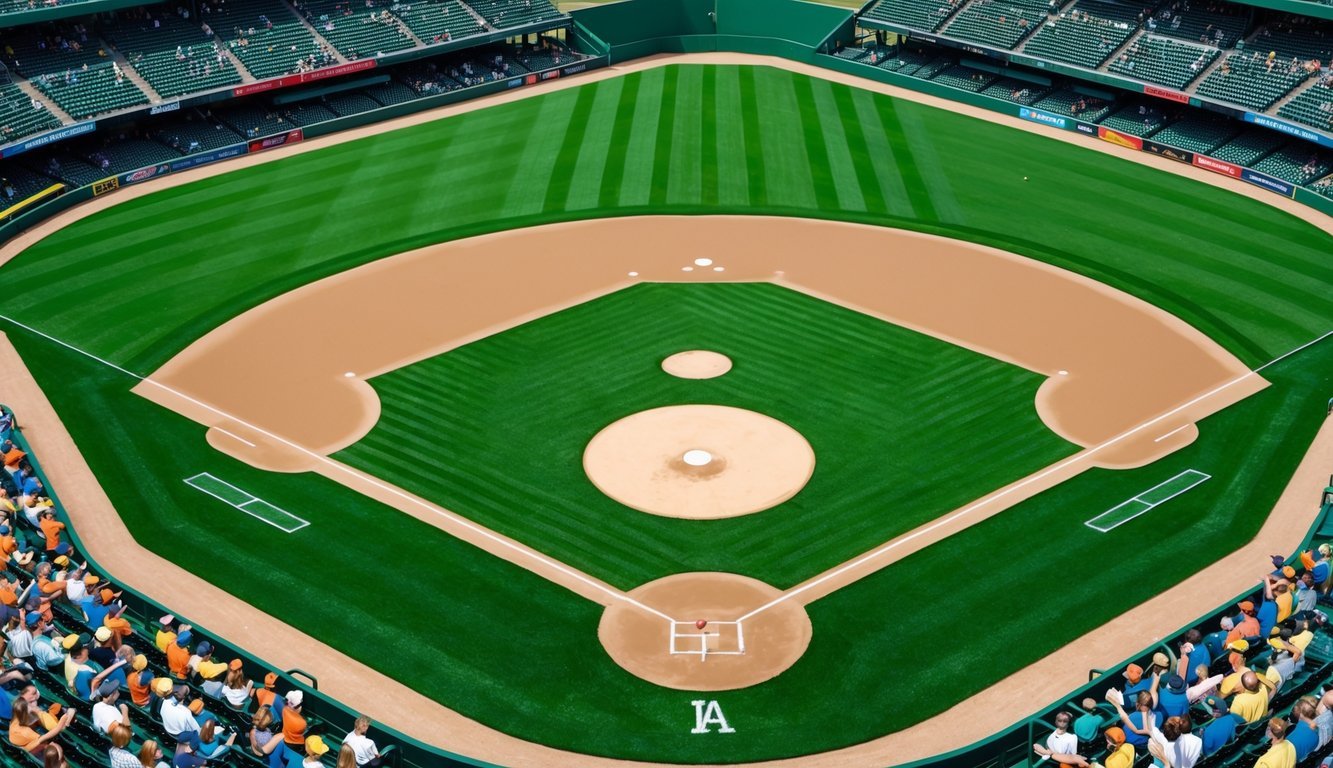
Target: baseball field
<point>1040,385</point>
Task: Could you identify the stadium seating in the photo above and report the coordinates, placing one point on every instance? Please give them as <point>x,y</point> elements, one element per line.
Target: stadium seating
<point>355,28</point>
<point>1017,91</point>
<point>127,155</point>
<point>1161,60</point>
<point>1275,61</point>
<point>195,133</point>
<point>917,14</point>
<point>507,14</point>
<point>69,65</point>
<point>1247,148</point>
<point>1197,133</point>
<point>309,113</point>
<point>65,167</point>
<point>1219,24</point>
<point>1137,119</point>
<point>265,36</point>
<point>1075,104</point>
<point>998,23</point>
<point>172,54</point>
<point>965,78</point>
<point>20,116</point>
<point>350,103</point>
<point>18,183</point>
<point>1313,106</point>
<point>390,93</point>
<point>436,21</point>
<point>1085,34</point>
<point>1298,162</point>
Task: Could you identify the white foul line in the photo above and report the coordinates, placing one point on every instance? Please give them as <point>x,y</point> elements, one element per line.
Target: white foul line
<point>1172,432</point>
<point>461,521</point>
<point>234,437</point>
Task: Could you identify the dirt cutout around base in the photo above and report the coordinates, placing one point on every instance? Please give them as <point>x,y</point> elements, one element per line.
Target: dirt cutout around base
<point>746,462</point>
<point>672,653</point>
<point>697,364</point>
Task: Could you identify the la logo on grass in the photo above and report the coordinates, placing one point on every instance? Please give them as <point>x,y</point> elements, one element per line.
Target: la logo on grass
<point>711,714</point>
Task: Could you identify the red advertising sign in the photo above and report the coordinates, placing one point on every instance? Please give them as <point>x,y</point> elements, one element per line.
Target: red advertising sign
<point>1116,137</point>
<point>1163,93</point>
<point>269,142</point>
<point>1217,166</point>
<point>304,77</point>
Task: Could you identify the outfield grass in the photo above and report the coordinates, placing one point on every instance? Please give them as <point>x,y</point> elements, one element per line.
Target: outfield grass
<point>138,282</point>
<point>905,428</point>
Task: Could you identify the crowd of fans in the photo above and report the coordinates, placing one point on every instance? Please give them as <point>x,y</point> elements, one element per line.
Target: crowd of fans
<point>1222,686</point>
<point>144,697</point>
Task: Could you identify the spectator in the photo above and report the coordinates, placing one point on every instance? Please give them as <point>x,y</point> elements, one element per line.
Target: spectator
<point>211,744</point>
<point>1251,704</point>
<point>187,745</point>
<point>1173,702</point>
<point>1089,723</point>
<point>51,529</point>
<point>202,664</point>
<point>367,754</point>
<point>119,755</point>
<point>346,757</point>
<point>261,732</point>
<point>315,748</point>
<point>1323,719</point>
<point>1305,735</point>
<point>166,634</point>
<point>116,623</point>
<point>1317,563</point>
<point>1174,746</point>
<point>81,677</point>
<point>236,689</point>
<point>293,722</point>
<point>1142,722</point>
<point>1193,654</point>
<point>264,696</point>
<point>178,656</point>
<point>54,756</point>
<point>106,715</point>
<point>1222,729</point>
<point>1118,753</point>
<point>1281,753</point>
<point>140,681</point>
<point>1307,597</point>
<point>24,736</point>
<point>1135,682</point>
<point>177,718</point>
<point>150,755</point>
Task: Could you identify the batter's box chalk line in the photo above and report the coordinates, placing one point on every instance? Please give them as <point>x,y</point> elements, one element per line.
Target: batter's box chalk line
<point>1144,502</point>
<point>247,502</point>
<point>717,638</point>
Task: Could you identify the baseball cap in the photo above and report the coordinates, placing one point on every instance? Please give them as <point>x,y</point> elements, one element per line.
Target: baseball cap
<point>1245,605</point>
<point>108,595</point>
<point>204,648</point>
<point>162,686</point>
<point>4,530</point>
<point>166,620</point>
<point>294,698</point>
<point>315,746</point>
<point>33,619</point>
<point>183,639</point>
<point>180,690</point>
<point>1176,684</point>
<point>1115,735</point>
<point>197,706</point>
<point>270,679</point>
<point>1288,571</point>
<point>1090,704</point>
<point>235,664</point>
<point>1133,673</point>
<point>140,663</point>
<point>188,739</point>
<point>1239,645</point>
<point>1278,560</point>
<point>107,688</point>
<point>1217,704</point>
<point>61,561</point>
<point>91,580</point>
<point>103,634</point>
<point>63,548</point>
<point>1159,660</point>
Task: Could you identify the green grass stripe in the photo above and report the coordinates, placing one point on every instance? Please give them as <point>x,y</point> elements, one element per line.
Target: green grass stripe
<point>904,157</point>
<point>557,190</point>
<point>685,171</point>
<point>733,173</point>
<point>822,177</point>
<point>754,143</point>
<point>708,133</point>
<point>663,155</point>
<point>617,148</point>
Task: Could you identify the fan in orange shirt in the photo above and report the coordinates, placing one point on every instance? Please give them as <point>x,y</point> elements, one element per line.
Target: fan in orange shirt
<point>51,528</point>
<point>178,656</point>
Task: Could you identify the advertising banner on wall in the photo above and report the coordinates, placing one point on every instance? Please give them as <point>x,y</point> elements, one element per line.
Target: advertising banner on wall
<point>1171,153</point>
<point>278,140</point>
<point>304,77</point>
<point>1121,139</point>
<point>1284,188</point>
<point>208,157</point>
<point>1289,128</point>
<point>1046,118</point>
<point>50,137</point>
<point>1163,93</point>
<point>1217,166</point>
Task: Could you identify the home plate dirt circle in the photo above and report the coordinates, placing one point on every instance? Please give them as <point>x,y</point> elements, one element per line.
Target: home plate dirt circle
<point>739,654</point>
<point>697,364</point>
<point>699,462</point>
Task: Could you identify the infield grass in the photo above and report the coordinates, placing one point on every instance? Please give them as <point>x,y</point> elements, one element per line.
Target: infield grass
<point>136,283</point>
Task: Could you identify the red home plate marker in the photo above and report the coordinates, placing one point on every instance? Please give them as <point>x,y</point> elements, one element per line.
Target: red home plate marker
<point>701,623</point>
